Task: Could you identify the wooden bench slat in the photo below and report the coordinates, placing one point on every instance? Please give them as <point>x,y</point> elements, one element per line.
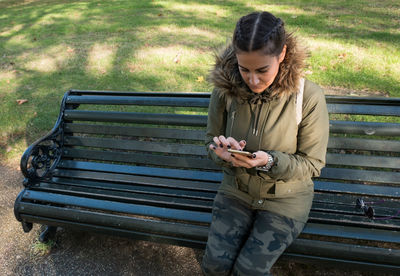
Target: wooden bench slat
<point>113,206</point>
<point>363,144</point>
<point>176,240</point>
<point>138,100</point>
<point>348,252</point>
<point>133,117</point>
<point>351,210</point>
<point>363,161</point>
<point>363,109</point>
<point>134,145</point>
<point>136,179</point>
<point>199,95</point>
<point>201,176</point>
<point>364,128</point>
<point>358,189</point>
<point>356,100</point>
<point>140,158</point>
<point>168,133</point>
<point>350,200</point>
<point>207,194</point>
<point>113,220</point>
<point>129,197</point>
<point>351,232</point>
<point>361,175</point>
<point>351,220</point>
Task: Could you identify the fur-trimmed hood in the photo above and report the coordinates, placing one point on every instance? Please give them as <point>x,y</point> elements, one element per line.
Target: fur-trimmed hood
<point>226,77</point>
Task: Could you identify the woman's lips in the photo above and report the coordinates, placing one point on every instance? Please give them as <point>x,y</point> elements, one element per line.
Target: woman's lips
<point>255,87</point>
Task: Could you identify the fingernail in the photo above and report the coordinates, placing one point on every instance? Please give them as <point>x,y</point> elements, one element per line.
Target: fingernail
<point>221,145</point>
<point>232,155</point>
<point>254,155</point>
<point>228,146</point>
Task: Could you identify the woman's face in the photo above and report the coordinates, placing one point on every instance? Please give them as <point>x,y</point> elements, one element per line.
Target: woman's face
<point>259,70</point>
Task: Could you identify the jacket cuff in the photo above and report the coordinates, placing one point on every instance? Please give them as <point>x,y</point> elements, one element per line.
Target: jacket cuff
<point>281,162</point>
<point>219,161</point>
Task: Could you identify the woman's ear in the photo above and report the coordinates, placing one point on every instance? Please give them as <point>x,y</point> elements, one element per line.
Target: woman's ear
<point>282,54</point>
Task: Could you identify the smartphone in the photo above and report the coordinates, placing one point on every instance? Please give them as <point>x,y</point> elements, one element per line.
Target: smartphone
<point>245,153</point>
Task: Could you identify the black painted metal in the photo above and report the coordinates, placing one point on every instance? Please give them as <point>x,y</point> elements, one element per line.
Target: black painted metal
<point>146,175</point>
<point>168,133</point>
<point>361,175</point>
<point>130,117</point>
<point>139,100</point>
<point>363,144</point>
<point>365,128</point>
<point>148,159</point>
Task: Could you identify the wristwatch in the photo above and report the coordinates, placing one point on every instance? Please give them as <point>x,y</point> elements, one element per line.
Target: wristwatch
<point>267,166</point>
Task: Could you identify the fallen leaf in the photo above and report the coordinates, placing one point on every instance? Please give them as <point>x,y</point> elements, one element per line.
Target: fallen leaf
<point>9,149</point>
<point>160,14</point>
<point>8,81</point>
<point>22,101</point>
<point>177,58</point>
<point>200,79</point>
<point>70,50</point>
<point>342,56</point>
<point>322,68</point>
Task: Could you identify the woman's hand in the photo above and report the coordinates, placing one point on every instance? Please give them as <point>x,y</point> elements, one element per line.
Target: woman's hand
<point>222,144</point>
<point>259,159</point>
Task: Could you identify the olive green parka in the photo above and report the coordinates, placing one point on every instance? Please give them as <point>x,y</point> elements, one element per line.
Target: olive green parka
<point>267,122</point>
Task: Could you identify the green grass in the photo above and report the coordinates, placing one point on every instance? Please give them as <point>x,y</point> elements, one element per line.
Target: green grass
<point>49,47</point>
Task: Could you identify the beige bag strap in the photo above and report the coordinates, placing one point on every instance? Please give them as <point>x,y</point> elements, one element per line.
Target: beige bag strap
<point>228,103</point>
<point>299,102</point>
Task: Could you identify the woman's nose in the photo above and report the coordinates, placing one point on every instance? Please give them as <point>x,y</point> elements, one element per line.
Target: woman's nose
<point>253,79</point>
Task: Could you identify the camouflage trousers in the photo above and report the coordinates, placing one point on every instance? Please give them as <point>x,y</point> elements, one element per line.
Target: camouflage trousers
<point>244,241</point>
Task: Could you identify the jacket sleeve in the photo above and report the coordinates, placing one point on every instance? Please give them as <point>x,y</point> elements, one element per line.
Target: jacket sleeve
<point>216,124</point>
<point>312,141</point>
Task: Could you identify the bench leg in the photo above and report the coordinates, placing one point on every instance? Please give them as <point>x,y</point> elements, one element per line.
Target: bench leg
<point>48,234</point>
<point>26,226</point>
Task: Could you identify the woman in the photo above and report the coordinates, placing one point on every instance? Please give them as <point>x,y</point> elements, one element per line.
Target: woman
<point>264,200</point>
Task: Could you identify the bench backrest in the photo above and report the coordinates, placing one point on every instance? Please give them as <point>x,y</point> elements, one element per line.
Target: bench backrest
<point>131,138</point>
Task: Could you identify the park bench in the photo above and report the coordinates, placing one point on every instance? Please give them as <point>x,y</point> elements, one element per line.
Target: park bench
<point>134,164</point>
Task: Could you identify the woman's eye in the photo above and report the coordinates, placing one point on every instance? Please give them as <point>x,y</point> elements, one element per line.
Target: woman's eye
<point>262,72</point>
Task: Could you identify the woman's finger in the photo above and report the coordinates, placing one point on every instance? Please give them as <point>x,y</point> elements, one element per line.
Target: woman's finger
<point>233,143</point>
<point>224,142</point>
<point>242,144</point>
<point>217,141</point>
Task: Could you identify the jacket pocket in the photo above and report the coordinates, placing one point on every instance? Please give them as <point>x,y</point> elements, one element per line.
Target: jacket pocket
<point>242,182</point>
<point>254,185</point>
<point>284,189</point>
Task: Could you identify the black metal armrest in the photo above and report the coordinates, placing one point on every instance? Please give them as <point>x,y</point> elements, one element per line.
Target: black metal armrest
<point>42,157</point>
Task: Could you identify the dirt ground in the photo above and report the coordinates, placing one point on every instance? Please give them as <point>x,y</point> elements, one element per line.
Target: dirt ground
<point>81,253</point>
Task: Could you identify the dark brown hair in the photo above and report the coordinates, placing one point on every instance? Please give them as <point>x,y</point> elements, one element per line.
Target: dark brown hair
<point>259,31</point>
<point>263,31</point>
